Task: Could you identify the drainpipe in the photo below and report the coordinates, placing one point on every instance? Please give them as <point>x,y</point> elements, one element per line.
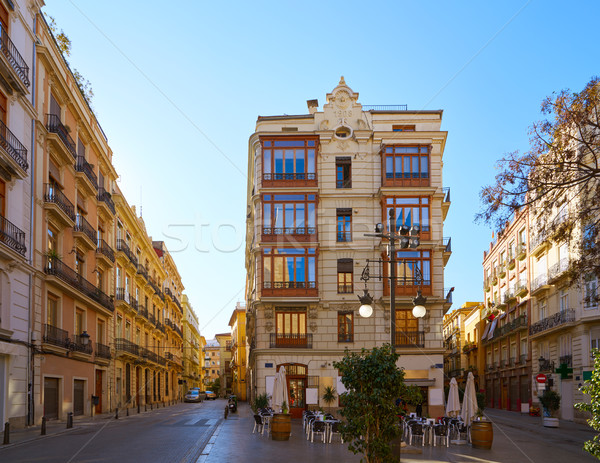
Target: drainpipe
<point>31,357</point>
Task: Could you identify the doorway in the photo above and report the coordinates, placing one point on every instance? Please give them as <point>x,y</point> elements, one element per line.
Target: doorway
<point>566,406</point>
<point>51,398</point>
<point>296,380</point>
<point>98,408</point>
<point>128,384</point>
<point>138,385</point>
<point>78,397</point>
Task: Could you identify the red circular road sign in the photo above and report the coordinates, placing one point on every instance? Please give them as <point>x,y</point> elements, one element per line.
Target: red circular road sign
<point>541,378</point>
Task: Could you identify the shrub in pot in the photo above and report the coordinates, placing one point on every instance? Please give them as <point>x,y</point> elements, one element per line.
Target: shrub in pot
<point>550,401</point>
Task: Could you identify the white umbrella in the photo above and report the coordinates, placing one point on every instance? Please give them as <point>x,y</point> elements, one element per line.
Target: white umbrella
<point>280,390</point>
<point>453,405</point>
<point>469,406</point>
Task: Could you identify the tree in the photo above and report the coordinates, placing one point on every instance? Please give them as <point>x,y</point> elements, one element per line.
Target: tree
<point>560,170</point>
<point>215,386</point>
<point>373,382</point>
<point>592,387</point>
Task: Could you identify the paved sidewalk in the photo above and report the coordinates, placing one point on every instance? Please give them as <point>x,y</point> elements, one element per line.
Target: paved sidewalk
<point>54,427</point>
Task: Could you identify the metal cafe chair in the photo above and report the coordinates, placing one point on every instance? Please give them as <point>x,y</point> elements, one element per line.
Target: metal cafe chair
<point>318,427</point>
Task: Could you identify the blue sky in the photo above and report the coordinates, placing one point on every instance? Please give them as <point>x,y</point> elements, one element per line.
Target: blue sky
<point>178,87</point>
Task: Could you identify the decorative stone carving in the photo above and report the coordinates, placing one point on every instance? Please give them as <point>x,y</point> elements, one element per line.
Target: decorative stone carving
<point>268,312</point>
<point>269,326</point>
<point>386,314</point>
<point>313,326</point>
<point>387,329</point>
<point>342,145</point>
<point>313,313</point>
<point>324,125</point>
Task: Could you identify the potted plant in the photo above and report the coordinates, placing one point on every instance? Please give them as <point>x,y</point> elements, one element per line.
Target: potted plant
<point>261,401</point>
<point>482,432</point>
<point>329,395</point>
<point>550,401</point>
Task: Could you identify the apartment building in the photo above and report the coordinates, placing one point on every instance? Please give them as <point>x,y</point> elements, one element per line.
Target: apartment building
<point>212,362</point>
<point>455,341</point>
<point>507,273</point>
<point>225,355</point>
<point>237,323</point>
<point>17,116</point>
<point>191,345</point>
<point>474,355</point>
<point>317,183</point>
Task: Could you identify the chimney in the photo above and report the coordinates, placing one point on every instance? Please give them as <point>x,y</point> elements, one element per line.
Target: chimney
<point>313,106</point>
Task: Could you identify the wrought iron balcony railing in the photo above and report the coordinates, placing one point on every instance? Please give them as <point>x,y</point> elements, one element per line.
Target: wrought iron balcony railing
<point>56,336</point>
<point>104,249</point>
<point>559,318</point>
<point>53,195</point>
<point>83,226</point>
<point>124,345</point>
<point>546,365</point>
<point>141,270</point>
<point>289,340</point>
<point>447,244</point>
<point>11,144</point>
<point>566,360</point>
<point>411,339</point>
<point>9,50</point>
<point>123,247</point>
<point>83,166</point>
<point>102,351</point>
<point>55,267</point>
<point>539,281</point>
<point>54,125</point>
<point>12,236</point>
<point>558,269</point>
<point>78,345</point>
<point>106,198</point>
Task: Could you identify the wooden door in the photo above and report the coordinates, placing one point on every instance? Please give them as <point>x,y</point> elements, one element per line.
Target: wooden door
<point>297,395</point>
<point>78,397</point>
<point>51,398</point>
<point>138,385</point>
<point>128,383</point>
<point>99,391</point>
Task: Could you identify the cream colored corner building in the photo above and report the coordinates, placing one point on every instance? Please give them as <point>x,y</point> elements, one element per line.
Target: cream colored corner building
<point>317,183</point>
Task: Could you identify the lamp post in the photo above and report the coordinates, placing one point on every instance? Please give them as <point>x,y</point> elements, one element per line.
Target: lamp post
<point>408,237</point>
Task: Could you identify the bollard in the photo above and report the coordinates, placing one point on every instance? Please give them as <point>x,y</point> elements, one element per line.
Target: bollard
<point>226,412</point>
<point>138,407</point>
<point>127,414</point>
<point>43,433</point>
<point>69,420</point>
<point>116,413</point>
<point>6,433</point>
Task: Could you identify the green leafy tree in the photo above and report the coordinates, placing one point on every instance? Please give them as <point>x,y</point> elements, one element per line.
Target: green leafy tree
<point>373,383</point>
<point>592,388</point>
<point>560,170</point>
<point>215,386</point>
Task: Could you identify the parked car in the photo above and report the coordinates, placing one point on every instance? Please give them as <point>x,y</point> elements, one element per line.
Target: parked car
<point>192,396</point>
<point>202,393</point>
<point>210,395</point>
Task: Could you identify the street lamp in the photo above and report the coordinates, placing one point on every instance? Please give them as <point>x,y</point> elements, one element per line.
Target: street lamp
<point>408,237</point>
<point>85,338</point>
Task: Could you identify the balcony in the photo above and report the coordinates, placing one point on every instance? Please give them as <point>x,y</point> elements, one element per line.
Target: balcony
<point>105,252</point>
<point>105,200</point>
<point>56,268</point>
<point>84,231</point>
<point>178,331</point>
<point>290,289</point>
<point>13,155</point>
<point>512,263</point>
<point>546,365</point>
<point>141,271</point>
<point>456,373</point>
<point>66,146</point>
<point>289,180</point>
<point>521,251</point>
<point>291,341</point>
<point>142,312</point>
<point>55,336</point>
<point>445,202</point>
<point>57,204</point>
<point>522,359</point>
<point>14,69</point>
<point>12,237</point>
<point>102,351</point>
<point>85,172</point>
<point>409,339</point>
<point>539,242</point>
<point>469,347</point>
<point>294,234</point>
<point>521,288</point>
<point>123,346</point>
<point>124,299</point>
<point>77,345</point>
<point>553,321</point>
<point>447,242</point>
<point>566,360</point>
<point>558,270</point>
<point>123,247</point>
<point>539,284</point>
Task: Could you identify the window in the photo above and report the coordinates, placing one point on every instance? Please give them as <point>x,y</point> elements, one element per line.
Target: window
<point>594,340</point>
<point>128,330</point>
<point>52,240</point>
<point>79,320</point>
<point>407,165</point>
<point>343,169</point>
<point>289,159</point>
<point>100,331</point>
<point>345,275</point>
<point>289,268</point>
<point>403,128</point>
<point>522,237</point>
<point>590,299</point>
<point>409,211</point>
<point>344,224</point>
<point>407,334</point>
<point>511,251</point>
<point>119,326</point>
<point>79,264</point>
<point>542,309</point>
<point>52,311</point>
<point>289,214</point>
<point>291,327</point>
<point>413,268</point>
<point>563,300</point>
<point>345,327</point>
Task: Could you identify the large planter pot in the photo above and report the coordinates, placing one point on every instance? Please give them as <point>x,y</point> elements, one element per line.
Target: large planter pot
<point>482,434</point>
<point>550,422</point>
<point>281,426</point>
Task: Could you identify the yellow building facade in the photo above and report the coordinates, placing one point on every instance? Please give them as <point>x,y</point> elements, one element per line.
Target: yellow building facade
<point>237,323</point>
<point>191,346</point>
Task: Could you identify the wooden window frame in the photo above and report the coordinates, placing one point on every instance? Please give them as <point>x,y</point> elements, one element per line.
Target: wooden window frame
<point>403,128</point>
<point>304,288</point>
<point>343,166</point>
<point>345,276</point>
<point>423,202</point>
<point>288,232</point>
<point>271,178</point>
<point>406,178</point>
<point>343,219</point>
<point>408,286</point>
<point>345,326</point>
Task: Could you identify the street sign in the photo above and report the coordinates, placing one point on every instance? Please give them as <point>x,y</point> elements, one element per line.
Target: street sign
<point>541,378</point>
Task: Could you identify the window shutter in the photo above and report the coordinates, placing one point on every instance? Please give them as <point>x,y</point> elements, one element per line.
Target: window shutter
<point>345,265</point>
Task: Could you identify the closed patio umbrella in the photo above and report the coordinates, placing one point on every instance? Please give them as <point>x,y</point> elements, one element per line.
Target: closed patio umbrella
<point>469,406</point>
<point>453,405</point>
<point>280,390</point>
